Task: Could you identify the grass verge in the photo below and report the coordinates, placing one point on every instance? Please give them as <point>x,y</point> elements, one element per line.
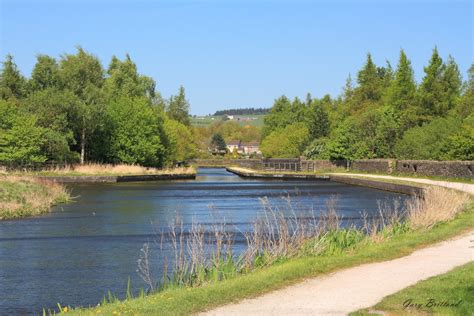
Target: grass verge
<point>105,170</point>
<point>186,300</point>
<point>447,294</point>
<point>23,196</point>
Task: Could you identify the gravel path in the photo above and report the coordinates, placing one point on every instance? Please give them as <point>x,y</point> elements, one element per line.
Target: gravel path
<point>469,188</point>
<point>359,287</point>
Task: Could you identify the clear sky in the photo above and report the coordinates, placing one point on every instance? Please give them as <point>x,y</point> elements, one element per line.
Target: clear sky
<point>241,53</point>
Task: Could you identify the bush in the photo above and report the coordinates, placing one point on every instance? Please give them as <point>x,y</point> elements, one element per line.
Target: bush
<point>288,142</point>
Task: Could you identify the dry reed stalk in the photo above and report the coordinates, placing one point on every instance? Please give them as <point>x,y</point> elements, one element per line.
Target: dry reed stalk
<point>23,196</point>
<point>437,205</point>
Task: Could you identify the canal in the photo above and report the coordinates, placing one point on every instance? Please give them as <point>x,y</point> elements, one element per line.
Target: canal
<point>82,250</point>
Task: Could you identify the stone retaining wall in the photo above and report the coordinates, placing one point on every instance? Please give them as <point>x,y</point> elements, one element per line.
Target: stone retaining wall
<point>454,169</point>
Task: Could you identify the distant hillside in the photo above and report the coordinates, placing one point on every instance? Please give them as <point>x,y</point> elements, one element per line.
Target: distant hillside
<point>245,111</point>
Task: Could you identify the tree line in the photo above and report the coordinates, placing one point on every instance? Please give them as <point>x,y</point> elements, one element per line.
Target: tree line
<point>243,111</point>
<point>387,114</point>
<point>74,110</point>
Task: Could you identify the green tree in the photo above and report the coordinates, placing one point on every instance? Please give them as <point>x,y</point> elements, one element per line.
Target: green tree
<point>431,89</point>
<point>370,83</point>
<point>21,140</point>
<point>288,142</point>
<point>401,94</point>
<point>218,143</point>
<point>466,104</point>
<point>178,108</point>
<point>45,74</point>
<point>124,80</point>
<point>428,141</point>
<point>135,132</point>
<point>451,87</point>
<point>182,146</point>
<point>55,111</point>
<point>83,75</point>
<point>12,83</point>
<point>318,120</point>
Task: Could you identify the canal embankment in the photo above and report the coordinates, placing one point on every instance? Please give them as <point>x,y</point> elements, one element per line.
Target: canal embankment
<point>342,178</point>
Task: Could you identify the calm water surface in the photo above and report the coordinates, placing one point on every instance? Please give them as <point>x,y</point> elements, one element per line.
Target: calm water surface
<point>76,254</point>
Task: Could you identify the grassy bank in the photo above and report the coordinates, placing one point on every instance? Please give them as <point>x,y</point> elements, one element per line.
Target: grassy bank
<point>448,294</point>
<point>24,196</point>
<point>332,250</point>
<point>104,170</point>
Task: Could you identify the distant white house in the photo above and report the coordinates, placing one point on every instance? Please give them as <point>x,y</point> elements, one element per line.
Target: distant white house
<point>229,117</point>
<point>250,148</point>
<point>243,148</point>
<point>233,144</point>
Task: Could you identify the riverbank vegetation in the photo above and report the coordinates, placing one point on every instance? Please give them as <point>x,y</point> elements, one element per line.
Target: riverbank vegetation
<point>387,114</point>
<point>72,110</point>
<point>283,249</point>
<point>26,196</point>
<point>104,169</point>
<point>447,294</point>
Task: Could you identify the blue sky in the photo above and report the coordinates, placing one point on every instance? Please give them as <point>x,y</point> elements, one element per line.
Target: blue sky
<point>241,53</point>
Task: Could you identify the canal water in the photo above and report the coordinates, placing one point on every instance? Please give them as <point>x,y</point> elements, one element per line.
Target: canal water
<point>82,250</point>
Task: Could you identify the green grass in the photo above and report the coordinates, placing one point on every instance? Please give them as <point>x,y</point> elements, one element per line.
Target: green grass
<point>455,287</point>
<point>21,197</point>
<point>205,121</point>
<point>186,300</point>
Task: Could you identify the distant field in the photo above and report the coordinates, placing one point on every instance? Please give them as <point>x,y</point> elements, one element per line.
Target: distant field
<point>203,121</point>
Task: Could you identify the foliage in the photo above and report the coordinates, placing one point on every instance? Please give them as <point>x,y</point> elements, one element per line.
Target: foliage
<point>243,111</point>
<point>12,83</point>
<point>21,139</point>
<point>181,138</point>
<point>386,115</point>
<point>72,110</point>
<point>135,137</point>
<point>287,142</point>
<point>178,108</point>
<point>218,143</point>
<point>428,141</point>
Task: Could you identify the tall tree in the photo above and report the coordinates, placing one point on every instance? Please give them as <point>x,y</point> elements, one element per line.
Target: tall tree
<point>466,104</point>
<point>12,83</point>
<point>45,73</point>
<point>318,120</point>
<point>82,74</point>
<point>431,87</point>
<point>369,80</point>
<point>178,108</point>
<point>451,84</point>
<point>135,135</point>
<point>401,94</point>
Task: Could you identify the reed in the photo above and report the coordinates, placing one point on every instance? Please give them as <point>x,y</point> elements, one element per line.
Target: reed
<point>204,253</point>
<point>108,169</point>
<point>25,196</point>
<point>437,205</point>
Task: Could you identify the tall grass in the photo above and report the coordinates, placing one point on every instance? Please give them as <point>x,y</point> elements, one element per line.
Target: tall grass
<point>109,169</point>
<point>204,253</point>
<point>439,204</point>
<point>24,196</point>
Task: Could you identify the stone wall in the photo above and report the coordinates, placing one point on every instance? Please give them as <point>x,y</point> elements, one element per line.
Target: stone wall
<point>453,169</point>
<point>245,163</point>
<point>373,165</point>
<point>323,165</point>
